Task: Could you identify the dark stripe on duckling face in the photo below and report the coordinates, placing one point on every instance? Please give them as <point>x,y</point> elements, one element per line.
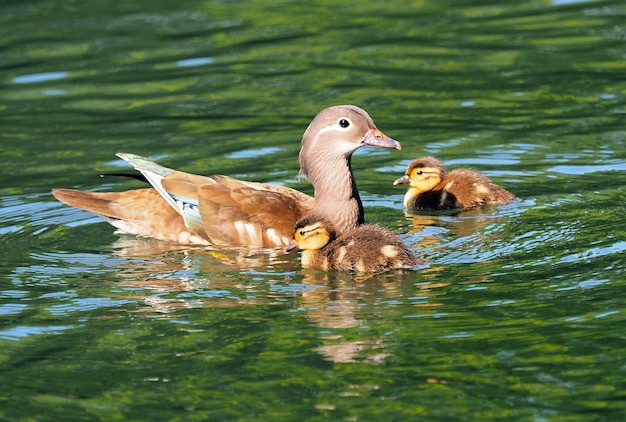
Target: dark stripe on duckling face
<point>312,236</point>
<point>424,179</point>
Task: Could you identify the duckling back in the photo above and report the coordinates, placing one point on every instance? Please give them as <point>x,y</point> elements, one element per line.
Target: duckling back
<point>367,248</point>
<point>469,189</point>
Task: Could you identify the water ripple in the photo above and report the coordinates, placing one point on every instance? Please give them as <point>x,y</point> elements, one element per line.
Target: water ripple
<point>18,333</point>
<point>586,169</point>
<point>39,77</point>
<point>198,61</point>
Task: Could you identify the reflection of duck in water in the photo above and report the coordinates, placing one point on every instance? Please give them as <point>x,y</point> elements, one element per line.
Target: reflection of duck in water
<point>431,188</point>
<point>366,248</point>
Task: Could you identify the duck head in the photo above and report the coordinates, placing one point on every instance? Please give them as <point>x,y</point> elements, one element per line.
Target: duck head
<point>336,132</point>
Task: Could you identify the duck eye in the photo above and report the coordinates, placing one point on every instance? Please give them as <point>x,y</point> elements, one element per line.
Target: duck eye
<point>344,123</point>
<point>302,232</point>
<point>419,172</point>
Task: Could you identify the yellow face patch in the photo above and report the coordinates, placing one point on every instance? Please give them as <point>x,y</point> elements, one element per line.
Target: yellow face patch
<point>424,178</point>
<point>311,237</point>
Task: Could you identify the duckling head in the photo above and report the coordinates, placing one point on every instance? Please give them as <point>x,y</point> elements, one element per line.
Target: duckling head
<point>311,233</point>
<point>422,175</point>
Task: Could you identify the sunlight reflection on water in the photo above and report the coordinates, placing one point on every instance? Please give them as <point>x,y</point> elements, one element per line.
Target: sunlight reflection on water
<point>252,153</point>
<point>567,2</point>
<point>198,61</point>
<point>39,77</point>
<point>585,169</point>
<point>24,331</point>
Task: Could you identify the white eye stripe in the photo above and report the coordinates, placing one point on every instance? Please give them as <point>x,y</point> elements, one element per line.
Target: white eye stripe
<point>335,127</point>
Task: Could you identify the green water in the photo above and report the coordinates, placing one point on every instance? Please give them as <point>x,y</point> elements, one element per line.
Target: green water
<point>520,314</point>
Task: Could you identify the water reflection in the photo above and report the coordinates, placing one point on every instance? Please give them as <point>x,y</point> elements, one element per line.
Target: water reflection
<point>170,277</point>
<point>161,279</point>
<point>22,331</point>
<point>197,61</point>
<point>39,77</point>
<point>467,236</point>
<point>459,224</point>
<point>346,308</point>
<point>567,2</point>
<point>586,169</point>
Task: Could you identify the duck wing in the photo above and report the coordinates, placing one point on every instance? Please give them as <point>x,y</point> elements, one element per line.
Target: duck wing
<point>224,210</point>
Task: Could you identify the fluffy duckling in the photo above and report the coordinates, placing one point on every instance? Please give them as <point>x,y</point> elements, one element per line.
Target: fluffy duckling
<point>366,248</point>
<point>431,188</point>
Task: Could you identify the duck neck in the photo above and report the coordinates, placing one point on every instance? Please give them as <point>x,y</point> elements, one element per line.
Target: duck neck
<point>336,194</point>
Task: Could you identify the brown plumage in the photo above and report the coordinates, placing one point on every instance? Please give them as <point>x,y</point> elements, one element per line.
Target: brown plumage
<point>366,248</point>
<point>431,188</point>
<point>224,211</point>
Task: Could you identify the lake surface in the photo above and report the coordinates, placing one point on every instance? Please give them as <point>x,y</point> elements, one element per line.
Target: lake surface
<point>520,314</point>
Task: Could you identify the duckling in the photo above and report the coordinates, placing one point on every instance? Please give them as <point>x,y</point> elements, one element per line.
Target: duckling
<point>431,188</point>
<point>223,211</point>
<point>365,248</point>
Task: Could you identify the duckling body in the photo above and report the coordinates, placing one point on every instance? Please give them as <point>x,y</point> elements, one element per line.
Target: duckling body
<point>431,188</point>
<point>223,211</point>
<point>366,248</point>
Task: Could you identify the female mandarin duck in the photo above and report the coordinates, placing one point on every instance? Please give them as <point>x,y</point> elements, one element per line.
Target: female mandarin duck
<point>431,188</point>
<point>223,211</point>
<point>365,248</point>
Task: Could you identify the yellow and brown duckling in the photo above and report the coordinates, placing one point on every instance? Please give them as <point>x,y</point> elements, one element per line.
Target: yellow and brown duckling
<point>431,188</point>
<point>365,248</point>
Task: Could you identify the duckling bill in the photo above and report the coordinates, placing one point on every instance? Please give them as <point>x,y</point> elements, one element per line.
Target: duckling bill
<point>431,188</point>
<point>365,248</point>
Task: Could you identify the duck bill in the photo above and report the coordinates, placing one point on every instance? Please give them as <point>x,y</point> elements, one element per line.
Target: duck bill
<point>376,138</point>
<point>291,246</point>
<point>404,180</point>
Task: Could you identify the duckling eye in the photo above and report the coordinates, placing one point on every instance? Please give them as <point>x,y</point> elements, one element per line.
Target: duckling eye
<point>344,123</point>
<point>419,172</point>
<point>302,232</point>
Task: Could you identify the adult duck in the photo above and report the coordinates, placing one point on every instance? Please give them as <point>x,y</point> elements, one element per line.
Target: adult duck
<point>431,188</point>
<point>223,211</point>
